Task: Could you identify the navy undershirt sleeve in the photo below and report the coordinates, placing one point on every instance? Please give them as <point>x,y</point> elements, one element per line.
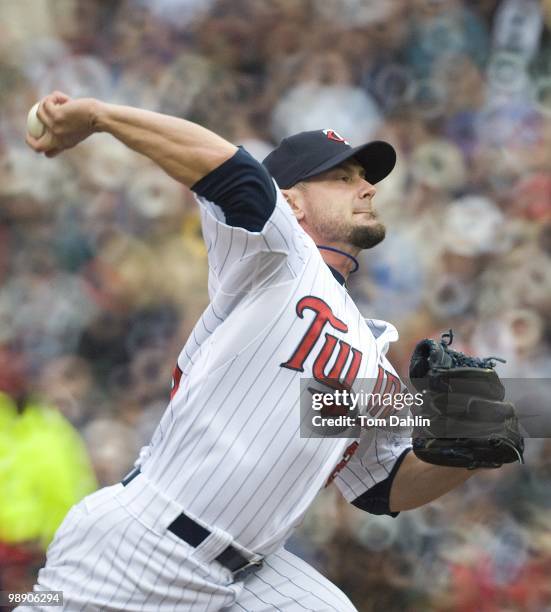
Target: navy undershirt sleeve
<point>377,499</point>
<point>243,189</point>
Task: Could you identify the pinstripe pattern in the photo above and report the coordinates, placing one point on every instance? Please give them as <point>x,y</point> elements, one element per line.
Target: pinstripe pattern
<point>232,424</point>
<point>228,448</point>
<point>287,583</point>
<point>127,564</point>
<point>378,450</point>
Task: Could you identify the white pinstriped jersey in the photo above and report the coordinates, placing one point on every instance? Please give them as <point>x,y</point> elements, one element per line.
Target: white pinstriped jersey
<point>228,447</point>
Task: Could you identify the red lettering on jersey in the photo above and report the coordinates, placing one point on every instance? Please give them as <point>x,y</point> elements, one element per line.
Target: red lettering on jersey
<point>338,366</point>
<point>318,371</point>
<point>323,316</point>
<point>371,408</point>
<point>393,386</point>
<point>353,369</point>
<point>176,377</point>
<point>347,455</point>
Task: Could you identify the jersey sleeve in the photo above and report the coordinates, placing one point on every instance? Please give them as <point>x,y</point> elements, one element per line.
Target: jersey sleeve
<point>252,237</point>
<point>366,479</point>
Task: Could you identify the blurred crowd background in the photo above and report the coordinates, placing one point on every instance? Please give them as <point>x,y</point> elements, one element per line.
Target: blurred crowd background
<point>103,270</point>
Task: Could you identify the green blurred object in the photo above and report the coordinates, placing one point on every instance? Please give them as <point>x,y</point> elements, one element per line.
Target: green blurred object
<point>44,470</point>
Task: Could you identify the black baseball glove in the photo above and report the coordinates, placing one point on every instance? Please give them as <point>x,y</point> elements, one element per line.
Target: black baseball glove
<point>470,424</point>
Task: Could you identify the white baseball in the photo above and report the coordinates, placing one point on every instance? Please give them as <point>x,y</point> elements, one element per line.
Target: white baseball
<point>35,127</point>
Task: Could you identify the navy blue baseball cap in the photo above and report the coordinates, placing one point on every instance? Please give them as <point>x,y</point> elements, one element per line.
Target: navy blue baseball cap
<point>307,154</point>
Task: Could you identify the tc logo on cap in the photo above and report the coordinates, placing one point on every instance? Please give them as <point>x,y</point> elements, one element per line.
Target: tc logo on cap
<point>332,135</point>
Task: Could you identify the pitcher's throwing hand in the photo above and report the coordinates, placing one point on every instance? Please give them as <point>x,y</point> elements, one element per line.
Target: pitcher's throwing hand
<point>67,122</point>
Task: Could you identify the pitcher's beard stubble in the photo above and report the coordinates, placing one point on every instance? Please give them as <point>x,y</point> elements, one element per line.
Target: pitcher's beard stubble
<point>368,236</point>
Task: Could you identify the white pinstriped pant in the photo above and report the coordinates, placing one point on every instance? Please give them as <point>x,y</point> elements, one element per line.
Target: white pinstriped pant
<point>113,552</point>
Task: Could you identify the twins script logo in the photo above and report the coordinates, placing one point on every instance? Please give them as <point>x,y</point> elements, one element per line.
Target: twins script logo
<point>336,378</point>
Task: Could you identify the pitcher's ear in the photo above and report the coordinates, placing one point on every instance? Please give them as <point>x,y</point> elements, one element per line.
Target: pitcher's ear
<point>295,200</point>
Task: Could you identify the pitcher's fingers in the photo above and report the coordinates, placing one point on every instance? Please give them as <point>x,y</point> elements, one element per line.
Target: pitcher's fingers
<point>47,142</point>
<point>32,142</point>
<point>46,112</point>
<point>59,97</point>
<point>56,98</point>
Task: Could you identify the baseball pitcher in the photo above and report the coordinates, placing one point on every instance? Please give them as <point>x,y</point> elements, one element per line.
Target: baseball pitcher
<point>201,523</point>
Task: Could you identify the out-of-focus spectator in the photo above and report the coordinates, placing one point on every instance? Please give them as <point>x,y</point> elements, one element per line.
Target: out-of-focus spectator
<point>331,98</point>
<point>44,471</point>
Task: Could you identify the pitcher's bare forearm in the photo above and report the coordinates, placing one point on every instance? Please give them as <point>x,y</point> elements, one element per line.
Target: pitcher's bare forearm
<point>417,483</point>
<point>184,150</point>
